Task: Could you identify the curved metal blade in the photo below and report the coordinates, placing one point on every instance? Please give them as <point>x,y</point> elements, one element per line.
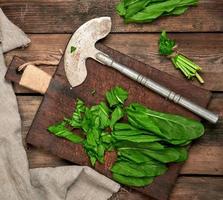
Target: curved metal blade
<point>84,40</point>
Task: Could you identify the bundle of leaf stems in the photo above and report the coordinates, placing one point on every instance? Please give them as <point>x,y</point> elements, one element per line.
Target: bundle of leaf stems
<point>168,48</point>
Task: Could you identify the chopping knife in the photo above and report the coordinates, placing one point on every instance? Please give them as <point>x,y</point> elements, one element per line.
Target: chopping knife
<point>84,40</point>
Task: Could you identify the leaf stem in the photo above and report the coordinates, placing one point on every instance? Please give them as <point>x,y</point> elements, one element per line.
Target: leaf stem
<point>200,79</point>
<point>189,62</point>
<point>185,72</point>
<point>189,68</point>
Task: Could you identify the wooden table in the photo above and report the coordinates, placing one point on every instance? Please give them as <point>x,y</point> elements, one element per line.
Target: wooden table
<point>199,33</point>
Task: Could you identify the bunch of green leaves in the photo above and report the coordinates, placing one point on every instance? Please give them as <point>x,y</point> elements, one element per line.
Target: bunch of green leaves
<point>141,11</point>
<point>148,142</point>
<point>145,140</point>
<point>186,66</point>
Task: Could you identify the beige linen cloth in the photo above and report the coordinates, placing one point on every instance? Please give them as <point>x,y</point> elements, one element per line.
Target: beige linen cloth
<point>17,182</point>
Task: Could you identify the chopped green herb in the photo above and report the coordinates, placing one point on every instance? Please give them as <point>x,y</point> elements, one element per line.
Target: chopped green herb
<point>116,96</point>
<point>116,115</point>
<point>60,130</point>
<point>72,49</point>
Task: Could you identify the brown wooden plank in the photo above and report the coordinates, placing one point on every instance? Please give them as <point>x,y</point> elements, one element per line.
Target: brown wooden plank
<point>64,16</point>
<point>199,188</point>
<point>205,155</point>
<point>40,158</point>
<point>28,106</point>
<point>207,151</point>
<point>186,188</point>
<point>205,49</point>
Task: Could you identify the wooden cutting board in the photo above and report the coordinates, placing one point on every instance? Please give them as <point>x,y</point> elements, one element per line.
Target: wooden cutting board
<point>59,101</point>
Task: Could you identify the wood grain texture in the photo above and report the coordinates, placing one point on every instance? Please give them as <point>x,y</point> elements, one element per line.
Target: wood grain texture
<point>205,155</point>
<point>60,97</point>
<point>198,188</point>
<point>205,49</point>
<point>186,188</point>
<point>48,16</point>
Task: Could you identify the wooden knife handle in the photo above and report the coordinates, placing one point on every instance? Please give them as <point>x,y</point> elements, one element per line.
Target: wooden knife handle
<point>31,77</point>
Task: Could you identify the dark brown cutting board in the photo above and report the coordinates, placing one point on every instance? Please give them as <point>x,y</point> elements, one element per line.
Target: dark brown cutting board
<point>59,101</point>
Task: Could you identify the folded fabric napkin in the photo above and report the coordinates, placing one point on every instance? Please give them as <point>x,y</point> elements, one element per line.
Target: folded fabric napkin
<point>17,182</point>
